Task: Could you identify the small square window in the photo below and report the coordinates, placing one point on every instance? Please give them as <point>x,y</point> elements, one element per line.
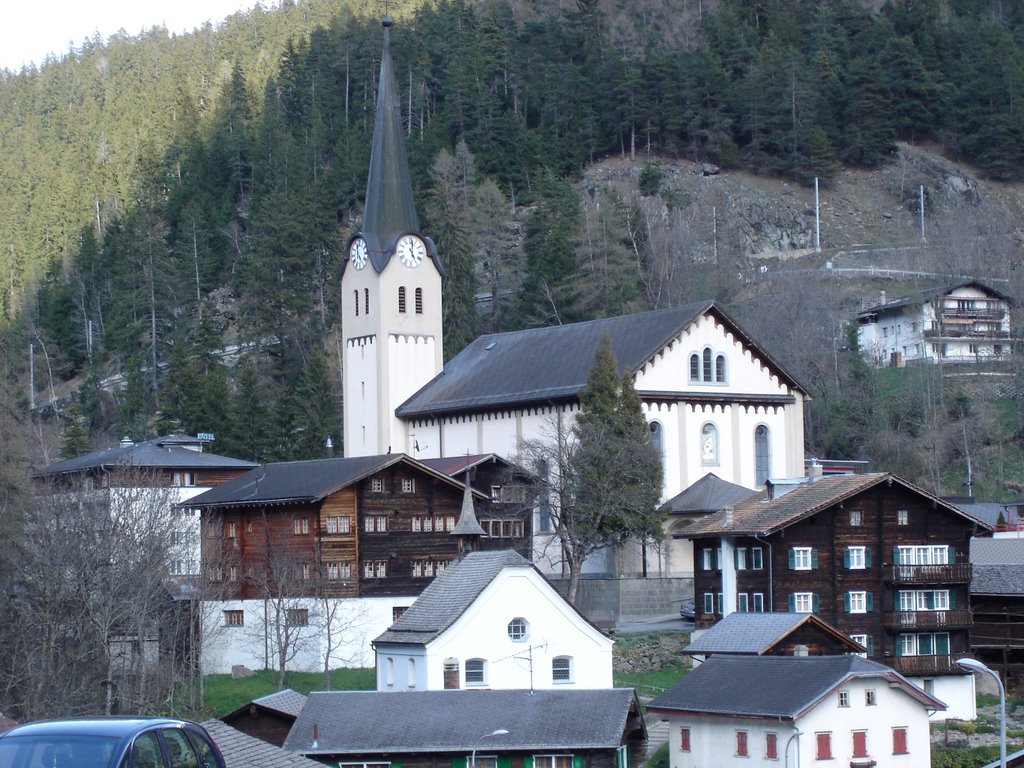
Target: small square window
<point>377,485</point>
<point>869,697</point>
<point>561,669</point>
<point>844,698</point>
<point>234,618</point>
<point>408,485</point>
<point>856,517</point>
<point>902,517</point>
<point>475,672</point>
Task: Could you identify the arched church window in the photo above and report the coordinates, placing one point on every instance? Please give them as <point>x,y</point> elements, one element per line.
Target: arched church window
<point>401,299</point>
<point>762,454</point>
<point>720,369</point>
<point>709,444</point>
<point>366,300</point>
<point>657,437</point>
<point>419,301</point>
<point>694,367</point>
<point>356,292</point>
<point>707,372</point>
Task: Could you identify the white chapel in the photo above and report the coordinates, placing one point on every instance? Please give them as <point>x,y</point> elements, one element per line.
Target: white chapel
<point>715,400</point>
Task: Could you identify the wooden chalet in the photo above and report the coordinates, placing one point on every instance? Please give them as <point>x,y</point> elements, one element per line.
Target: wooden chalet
<point>443,729</point>
<point>772,634</point>
<point>268,718</point>
<point>370,526</point>
<point>179,461</point>
<point>997,601</point>
<point>880,559</point>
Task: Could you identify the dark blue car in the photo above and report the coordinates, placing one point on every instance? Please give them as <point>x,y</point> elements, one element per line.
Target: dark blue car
<point>109,742</point>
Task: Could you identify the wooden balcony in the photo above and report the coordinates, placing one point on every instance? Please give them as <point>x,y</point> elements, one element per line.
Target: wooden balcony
<point>954,573</point>
<point>927,665</point>
<point>957,619</point>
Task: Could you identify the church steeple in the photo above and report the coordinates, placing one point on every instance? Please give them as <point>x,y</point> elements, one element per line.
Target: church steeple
<point>389,209</point>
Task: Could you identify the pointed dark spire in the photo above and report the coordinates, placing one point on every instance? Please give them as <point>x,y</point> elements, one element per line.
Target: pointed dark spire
<point>468,529</point>
<point>390,209</point>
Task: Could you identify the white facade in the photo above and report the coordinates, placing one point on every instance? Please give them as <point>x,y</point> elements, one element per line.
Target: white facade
<point>354,622</point>
<point>966,324</point>
<point>955,691</point>
<point>518,634</point>
<point>715,740</point>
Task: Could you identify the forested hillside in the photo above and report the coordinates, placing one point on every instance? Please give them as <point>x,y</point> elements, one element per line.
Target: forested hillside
<point>163,198</point>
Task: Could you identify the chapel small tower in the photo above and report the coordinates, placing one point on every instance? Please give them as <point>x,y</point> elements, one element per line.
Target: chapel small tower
<point>390,291</point>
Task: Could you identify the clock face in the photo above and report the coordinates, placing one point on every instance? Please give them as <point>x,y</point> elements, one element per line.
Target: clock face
<point>411,250</point>
<point>358,253</point>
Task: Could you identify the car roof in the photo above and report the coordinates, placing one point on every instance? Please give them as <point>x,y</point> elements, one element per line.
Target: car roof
<point>92,726</point>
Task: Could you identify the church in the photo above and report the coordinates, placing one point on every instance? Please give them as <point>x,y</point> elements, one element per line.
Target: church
<point>715,400</point>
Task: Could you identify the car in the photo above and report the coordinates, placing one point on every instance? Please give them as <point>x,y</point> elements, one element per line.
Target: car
<point>109,742</point>
<point>687,609</point>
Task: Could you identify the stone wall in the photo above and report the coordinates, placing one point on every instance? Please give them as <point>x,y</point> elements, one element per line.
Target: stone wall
<point>611,601</point>
<point>656,651</point>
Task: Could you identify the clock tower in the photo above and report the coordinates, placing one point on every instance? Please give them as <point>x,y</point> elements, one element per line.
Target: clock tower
<point>390,292</point>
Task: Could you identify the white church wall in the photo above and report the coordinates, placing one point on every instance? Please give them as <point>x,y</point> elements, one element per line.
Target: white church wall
<point>412,362</point>
<point>361,385</point>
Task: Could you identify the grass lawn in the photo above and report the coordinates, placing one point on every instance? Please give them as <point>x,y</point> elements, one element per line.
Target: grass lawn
<point>650,683</point>
<point>224,694</point>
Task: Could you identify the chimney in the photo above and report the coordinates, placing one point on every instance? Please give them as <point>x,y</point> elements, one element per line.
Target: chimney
<point>881,297</point>
<point>728,517</point>
<point>814,470</point>
<point>451,674</point>
<point>126,441</point>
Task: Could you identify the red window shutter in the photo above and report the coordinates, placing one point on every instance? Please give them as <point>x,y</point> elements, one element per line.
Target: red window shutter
<point>824,746</point>
<point>860,743</point>
<point>741,743</point>
<point>771,746</point>
<point>899,741</point>
<point>684,739</point>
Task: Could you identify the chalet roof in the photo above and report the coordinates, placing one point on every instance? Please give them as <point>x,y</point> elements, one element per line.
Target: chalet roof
<point>758,515</point>
<point>241,750</point>
<point>541,365</point>
<point>287,702</point>
<point>1005,580</point>
<point>709,494</point>
<point>926,295</point>
<point>168,452</point>
<point>456,465</point>
<point>985,551</point>
<point>448,596</point>
<point>303,481</point>
<point>453,721</point>
<point>756,633</point>
<point>787,686</point>
<point>986,511</point>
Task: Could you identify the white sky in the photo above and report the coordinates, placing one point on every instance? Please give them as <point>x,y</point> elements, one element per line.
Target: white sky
<point>30,29</point>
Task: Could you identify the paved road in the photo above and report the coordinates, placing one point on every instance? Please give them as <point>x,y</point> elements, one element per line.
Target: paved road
<point>668,622</point>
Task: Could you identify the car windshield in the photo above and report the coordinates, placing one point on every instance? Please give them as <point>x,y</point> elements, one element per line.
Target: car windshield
<point>55,750</point>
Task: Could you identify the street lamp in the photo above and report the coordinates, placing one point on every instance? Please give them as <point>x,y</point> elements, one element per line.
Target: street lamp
<point>973,665</point>
<point>795,735</point>
<point>497,732</point>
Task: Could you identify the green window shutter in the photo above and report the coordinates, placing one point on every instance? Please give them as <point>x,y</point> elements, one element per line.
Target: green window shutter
<point>814,557</point>
<point>942,645</point>
<point>504,761</point>
<point>846,558</point>
<point>867,557</point>
<point>527,761</point>
<point>460,762</point>
<point>814,603</point>
<point>718,558</point>
<point>895,555</point>
<point>931,600</point>
<point>792,603</point>
<point>846,602</point>
<point>952,599</point>
<point>869,602</point>
<point>792,558</point>
<point>870,645</point>
<point>924,645</point>
<point>578,761</point>
<point>899,645</point>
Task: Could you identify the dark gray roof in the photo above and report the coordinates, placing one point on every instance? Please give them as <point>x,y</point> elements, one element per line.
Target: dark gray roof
<point>987,511</point>
<point>755,633</point>
<point>448,596</point>
<point>541,365</point>
<point>709,494</point>
<point>304,481</point>
<point>287,702</point>
<point>350,722</point>
<point>920,297</point>
<point>786,686</point>
<point>758,515</point>
<point>1006,580</point>
<point>168,452</point>
<point>986,551</point>
<point>241,750</point>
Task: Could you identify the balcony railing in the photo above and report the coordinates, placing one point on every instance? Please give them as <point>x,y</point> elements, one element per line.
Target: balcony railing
<point>956,619</point>
<point>926,665</point>
<point>954,573</point>
<point>994,312</point>
<point>965,332</point>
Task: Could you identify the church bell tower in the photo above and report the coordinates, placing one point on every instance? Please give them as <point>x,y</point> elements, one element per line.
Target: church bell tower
<point>390,291</point>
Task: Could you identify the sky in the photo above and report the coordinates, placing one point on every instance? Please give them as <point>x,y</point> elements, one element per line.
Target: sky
<point>31,29</point>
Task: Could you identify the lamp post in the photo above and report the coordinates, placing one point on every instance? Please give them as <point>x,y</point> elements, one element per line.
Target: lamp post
<point>975,666</point>
<point>496,732</point>
<point>795,735</point>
